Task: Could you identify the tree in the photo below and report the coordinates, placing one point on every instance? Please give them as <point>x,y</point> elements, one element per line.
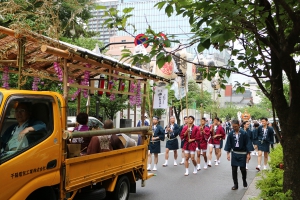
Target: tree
<point>52,18</point>
<point>194,97</point>
<point>112,107</point>
<point>266,35</point>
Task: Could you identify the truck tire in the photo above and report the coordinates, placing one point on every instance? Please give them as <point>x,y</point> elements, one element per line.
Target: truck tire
<point>45,193</point>
<point>91,194</point>
<point>122,189</point>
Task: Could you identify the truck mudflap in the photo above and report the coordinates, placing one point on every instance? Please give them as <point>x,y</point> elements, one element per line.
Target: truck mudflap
<point>86,170</point>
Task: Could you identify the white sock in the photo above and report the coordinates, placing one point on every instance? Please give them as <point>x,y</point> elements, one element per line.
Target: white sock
<point>182,160</point>
<point>186,170</point>
<point>166,162</point>
<point>149,166</point>
<point>195,169</point>
<point>198,165</point>
<point>154,166</point>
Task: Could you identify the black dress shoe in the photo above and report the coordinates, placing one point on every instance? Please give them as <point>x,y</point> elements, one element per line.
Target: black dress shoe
<point>245,184</point>
<point>235,187</point>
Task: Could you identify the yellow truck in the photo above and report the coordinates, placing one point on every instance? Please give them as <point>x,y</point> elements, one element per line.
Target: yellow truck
<point>42,170</point>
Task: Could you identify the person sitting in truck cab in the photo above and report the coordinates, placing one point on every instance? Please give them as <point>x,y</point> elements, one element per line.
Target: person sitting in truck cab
<point>106,142</point>
<point>13,138</point>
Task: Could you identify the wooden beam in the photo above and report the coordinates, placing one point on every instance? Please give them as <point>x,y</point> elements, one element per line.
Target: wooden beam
<point>7,31</point>
<point>8,61</point>
<point>102,72</point>
<point>100,89</point>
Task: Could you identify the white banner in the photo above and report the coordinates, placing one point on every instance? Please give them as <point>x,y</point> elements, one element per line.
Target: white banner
<point>160,98</point>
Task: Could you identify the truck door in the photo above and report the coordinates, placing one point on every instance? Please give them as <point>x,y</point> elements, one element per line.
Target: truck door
<point>30,159</point>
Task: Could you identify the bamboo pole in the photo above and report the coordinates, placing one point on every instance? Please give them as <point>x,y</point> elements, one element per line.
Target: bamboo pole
<point>143,112</point>
<point>21,52</point>
<point>136,130</point>
<point>128,105</point>
<point>9,61</point>
<point>78,102</point>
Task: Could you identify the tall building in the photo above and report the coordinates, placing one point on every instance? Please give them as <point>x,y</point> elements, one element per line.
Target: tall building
<point>96,23</point>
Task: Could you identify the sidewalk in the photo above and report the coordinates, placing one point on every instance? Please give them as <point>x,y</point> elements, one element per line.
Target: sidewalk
<point>252,191</point>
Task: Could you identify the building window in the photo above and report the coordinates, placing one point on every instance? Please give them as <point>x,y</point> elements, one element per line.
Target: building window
<point>123,40</point>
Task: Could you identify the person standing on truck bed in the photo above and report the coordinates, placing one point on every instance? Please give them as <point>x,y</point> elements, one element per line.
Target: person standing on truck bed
<point>82,119</point>
<point>154,145</point>
<point>13,137</point>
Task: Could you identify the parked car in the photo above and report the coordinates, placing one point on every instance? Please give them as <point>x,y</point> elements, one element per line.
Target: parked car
<point>93,122</point>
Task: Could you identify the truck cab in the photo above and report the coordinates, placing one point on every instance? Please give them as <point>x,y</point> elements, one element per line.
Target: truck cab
<point>38,166</point>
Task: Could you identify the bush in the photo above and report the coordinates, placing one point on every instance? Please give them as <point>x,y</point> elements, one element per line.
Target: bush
<point>271,182</point>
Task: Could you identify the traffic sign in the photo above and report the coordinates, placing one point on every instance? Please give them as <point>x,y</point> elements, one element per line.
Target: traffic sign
<point>141,39</point>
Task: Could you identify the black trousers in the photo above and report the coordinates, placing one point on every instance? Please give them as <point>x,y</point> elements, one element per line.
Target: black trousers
<point>235,176</point>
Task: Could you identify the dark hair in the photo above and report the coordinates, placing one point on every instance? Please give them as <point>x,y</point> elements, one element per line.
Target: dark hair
<point>256,124</point>
<point>185,117</point>
<point>217,118</point>
<point>245,122</point>
<point>192,117</point>
<point>235,121</point>
<point>27,105</point>
<point>82,118</point>
<point>264,118</point>
<point>108,124</point>
<point>221,121</point>
<point>203,118</point>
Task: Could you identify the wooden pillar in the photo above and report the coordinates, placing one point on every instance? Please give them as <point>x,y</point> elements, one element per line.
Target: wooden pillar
<point>128,107</point>
<point>21,54</point>
<point>143,112</point>
<point>134,117</point>
<point>144,104</point>
<point>65,86</point>
<point>78,101</point>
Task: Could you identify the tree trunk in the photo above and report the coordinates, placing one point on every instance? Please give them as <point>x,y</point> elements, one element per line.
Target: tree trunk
<point>291,152</point>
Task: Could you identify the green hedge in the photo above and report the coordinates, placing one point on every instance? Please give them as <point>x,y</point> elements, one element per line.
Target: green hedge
<point>271,182</point>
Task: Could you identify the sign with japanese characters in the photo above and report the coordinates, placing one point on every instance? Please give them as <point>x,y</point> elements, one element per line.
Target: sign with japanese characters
<point>160,98</point>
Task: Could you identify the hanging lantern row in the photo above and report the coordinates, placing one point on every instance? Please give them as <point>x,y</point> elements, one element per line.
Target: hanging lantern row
<point>106,83</point>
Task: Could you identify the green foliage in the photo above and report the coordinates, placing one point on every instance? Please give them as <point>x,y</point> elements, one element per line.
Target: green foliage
<point>87,43</point>
<point>257,112</point>
<point>271,182</point>
<point>52,18</point>
<point>195,96</point>
<point>112,107</point>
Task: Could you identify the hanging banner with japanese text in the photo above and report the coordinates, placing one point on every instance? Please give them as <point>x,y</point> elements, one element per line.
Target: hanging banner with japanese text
<point>160,98</point>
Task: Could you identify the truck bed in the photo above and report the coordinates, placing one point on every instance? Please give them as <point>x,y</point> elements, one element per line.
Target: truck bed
<point>86,170</point>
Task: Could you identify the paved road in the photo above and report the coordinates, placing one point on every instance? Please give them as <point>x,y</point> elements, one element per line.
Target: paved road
<point>213,183</point>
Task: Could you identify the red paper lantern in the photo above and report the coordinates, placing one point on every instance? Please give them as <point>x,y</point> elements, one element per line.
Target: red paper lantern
<point>101,86</point>
<point>121,86</point>
<point>109,86</point>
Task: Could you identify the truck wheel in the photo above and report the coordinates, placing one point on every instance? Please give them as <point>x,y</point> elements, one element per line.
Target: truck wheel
<point>91,194</point>
<point>45,193</point>
<point>122,189</point>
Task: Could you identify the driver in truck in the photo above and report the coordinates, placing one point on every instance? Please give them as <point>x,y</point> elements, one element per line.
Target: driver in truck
<point>13,138</point>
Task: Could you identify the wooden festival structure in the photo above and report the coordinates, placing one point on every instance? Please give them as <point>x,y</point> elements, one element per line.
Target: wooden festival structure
<point>32,54</point>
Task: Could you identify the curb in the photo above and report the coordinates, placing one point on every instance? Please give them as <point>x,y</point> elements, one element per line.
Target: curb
<point>252,191</point>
